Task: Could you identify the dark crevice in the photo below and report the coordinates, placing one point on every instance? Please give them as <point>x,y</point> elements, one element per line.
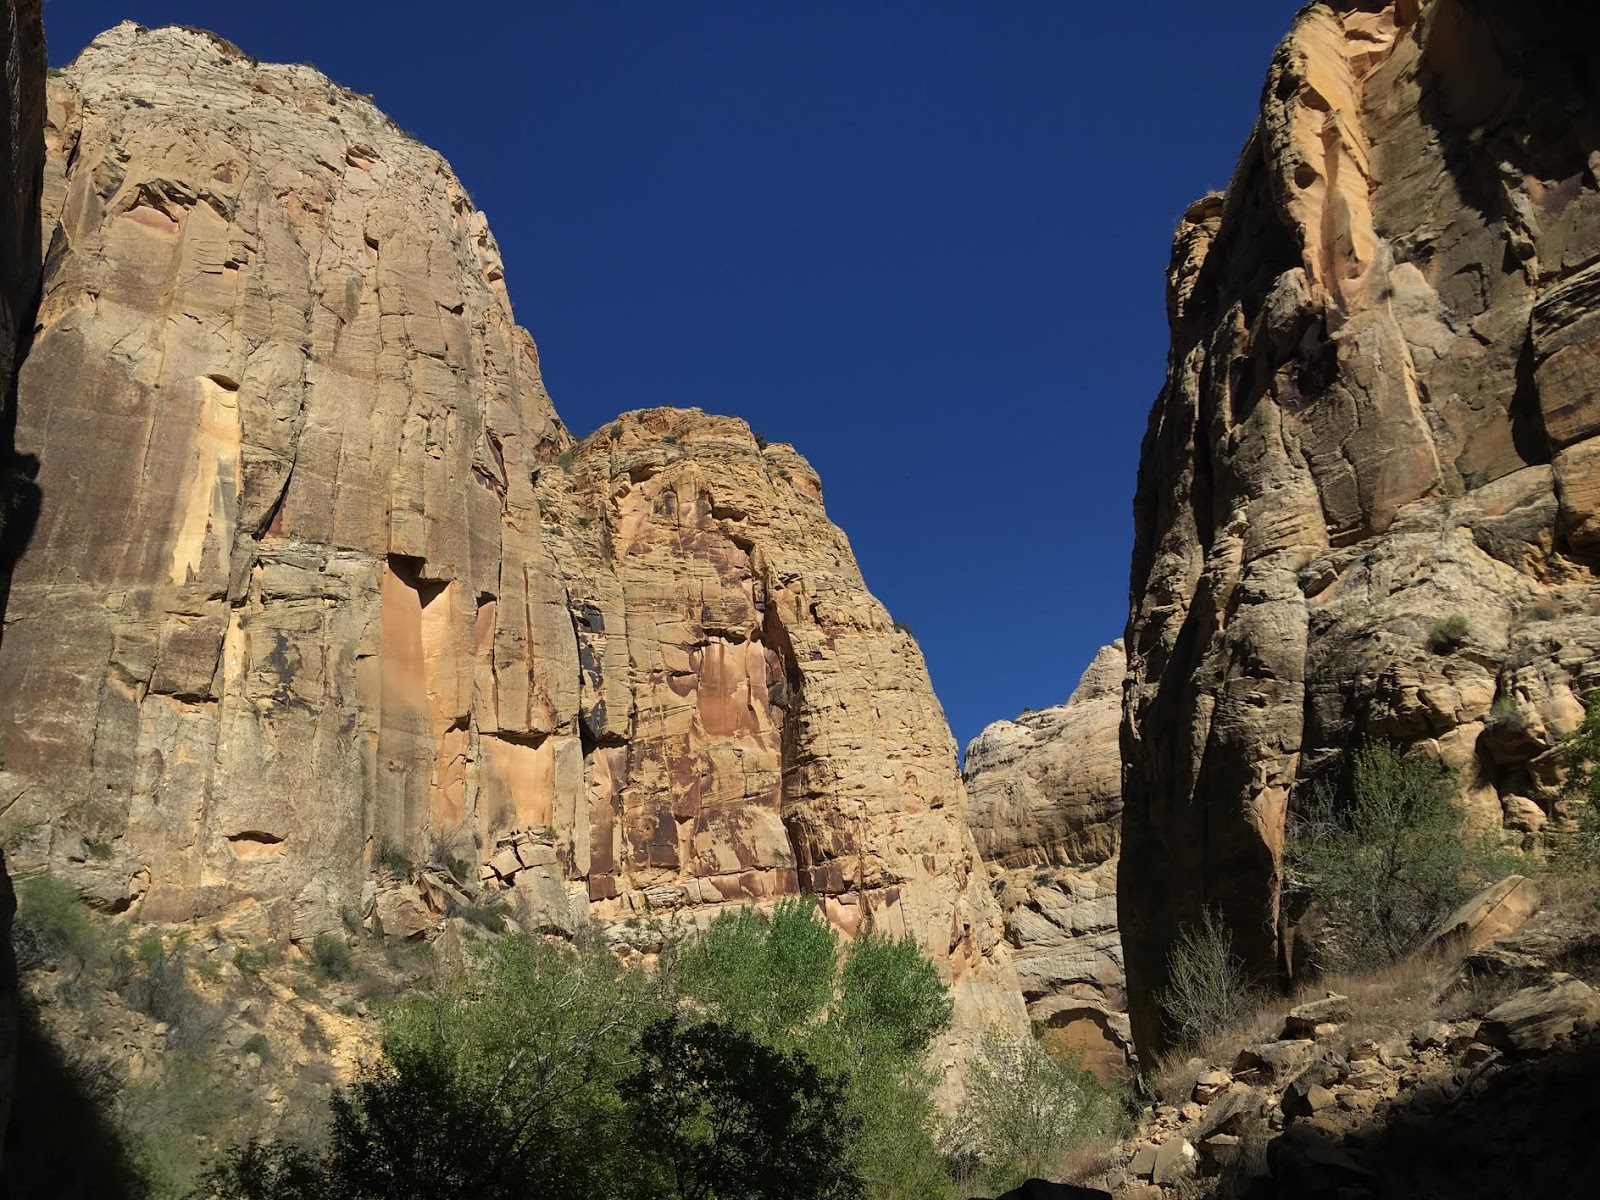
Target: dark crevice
<point>1528,435</point>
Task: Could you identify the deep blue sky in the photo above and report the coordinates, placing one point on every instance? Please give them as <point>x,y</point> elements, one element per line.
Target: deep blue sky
<point>923,240</point>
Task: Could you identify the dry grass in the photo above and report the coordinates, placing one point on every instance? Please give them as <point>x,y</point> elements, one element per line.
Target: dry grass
<point>1395,998</point>
<point>1176,1073</point>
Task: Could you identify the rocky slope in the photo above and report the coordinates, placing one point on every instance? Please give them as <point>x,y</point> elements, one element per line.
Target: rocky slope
<point>1046,794</point>
<point>1437,1078</point>
<point>1369,499</point>
<point>327,614</point>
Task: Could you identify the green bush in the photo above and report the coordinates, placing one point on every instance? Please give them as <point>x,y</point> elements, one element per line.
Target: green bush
<point>253,960</point>
<point>1389,860</point>
<point>53,927</point>
<point>769,975</point>
<point>331,957</point>
<point>867,1016</point>
<point>1449,634</point>
<point>1207,988</point>
<point>1027,1111</point>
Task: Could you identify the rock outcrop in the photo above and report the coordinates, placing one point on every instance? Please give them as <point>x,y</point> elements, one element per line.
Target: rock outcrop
<point>327,614</point>
<point>1369,496</point>
<point>1046,793</point>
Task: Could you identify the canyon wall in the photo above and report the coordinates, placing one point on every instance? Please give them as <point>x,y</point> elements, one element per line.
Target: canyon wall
<point>326,613</point>
<point>1369,495</point>
<point>1046,810</point>
<point>21,164</point>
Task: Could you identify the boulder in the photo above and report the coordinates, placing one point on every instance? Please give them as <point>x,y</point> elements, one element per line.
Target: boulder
<point>1491,914</point>
<point>1272,1061</point>
<point>1174,1160</point>
<point>1306,1019</point>
<point>1533,1019</point>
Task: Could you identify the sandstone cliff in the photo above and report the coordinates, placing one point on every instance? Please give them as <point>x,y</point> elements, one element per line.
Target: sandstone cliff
<point>326,612</point>
<point>1379,415</point>
<point>1046,806</point>
<point>21,162</point>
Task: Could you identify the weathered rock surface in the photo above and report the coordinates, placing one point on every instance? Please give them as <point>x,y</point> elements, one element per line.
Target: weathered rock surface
<point>326,611</point>
<point>1379,414</point>
<point>1493,913</point>
<point>1046,795</point>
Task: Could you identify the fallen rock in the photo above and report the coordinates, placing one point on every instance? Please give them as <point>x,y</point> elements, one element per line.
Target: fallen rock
<point>1303,1021</point>
<point>1232,1110</point>
<point>1493,913</point>
<point>1535,1017</point>
<point>1272,1061</point>
<point>1174,1160</point>
<point>1143,1162</point>
<point>1210,1085</point>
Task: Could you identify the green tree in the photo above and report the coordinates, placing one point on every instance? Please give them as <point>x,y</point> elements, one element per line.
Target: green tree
<point>867,1015</point>
<point>498,1080</point>
<point>1388,861</point>
<point>769,975</point>
<point>725,1116</point>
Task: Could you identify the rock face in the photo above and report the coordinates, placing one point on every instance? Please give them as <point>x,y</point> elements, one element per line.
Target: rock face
<point>1046,803</point>
<point>21,165</point>
<point>326,611</point>
<point>1379,416</point>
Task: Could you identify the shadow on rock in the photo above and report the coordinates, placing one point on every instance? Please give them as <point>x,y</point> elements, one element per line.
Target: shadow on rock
<point>1520,1128</point>
<point>61,1143</point>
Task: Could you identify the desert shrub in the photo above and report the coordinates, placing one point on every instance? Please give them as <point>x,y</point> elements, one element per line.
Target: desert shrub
<point>1208,989</point>
<point>258,1045</point>
<point>331,957</point>
<point>1449,634</point>
<point>394,860</point>
<point>1506,710</point>
<point>155,980</point>
<point>1027,1111</point>
<point>719,1113</point>
<point>53,927</point>
<point>253,960</point>
<point>1389,860</point>
<point>486,916</point>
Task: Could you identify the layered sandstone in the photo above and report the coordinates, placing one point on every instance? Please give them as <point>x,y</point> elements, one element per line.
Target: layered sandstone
<point>327,612</point>
<point>1046,791</point>
<point>1379,415</point>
